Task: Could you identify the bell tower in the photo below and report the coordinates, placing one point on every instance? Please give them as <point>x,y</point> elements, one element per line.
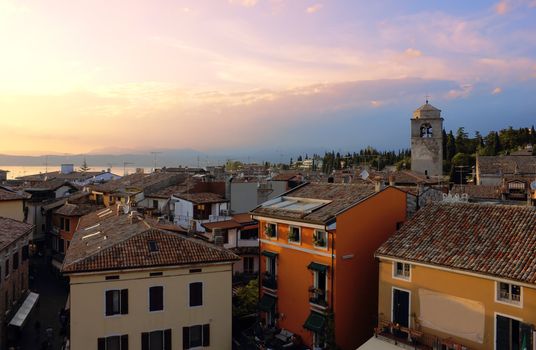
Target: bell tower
<point>427,140</point>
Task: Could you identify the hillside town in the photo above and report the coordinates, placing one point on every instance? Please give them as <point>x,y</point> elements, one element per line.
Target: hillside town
<point>256,256</point>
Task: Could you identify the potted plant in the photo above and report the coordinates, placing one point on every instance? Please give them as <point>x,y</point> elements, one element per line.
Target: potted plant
<point>318,240</point>
<point>269,231</point>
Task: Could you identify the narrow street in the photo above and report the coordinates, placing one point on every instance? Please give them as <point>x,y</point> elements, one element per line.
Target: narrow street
<point>52,298</point>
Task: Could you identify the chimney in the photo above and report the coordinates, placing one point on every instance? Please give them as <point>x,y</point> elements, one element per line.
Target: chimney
<point>378,184</point>
<point>391,180</point>
<point>67,168</point>
<point>134,217</point>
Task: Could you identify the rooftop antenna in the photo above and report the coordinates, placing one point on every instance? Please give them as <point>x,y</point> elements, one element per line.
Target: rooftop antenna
<point>154,154</point>
<point>125,167</point>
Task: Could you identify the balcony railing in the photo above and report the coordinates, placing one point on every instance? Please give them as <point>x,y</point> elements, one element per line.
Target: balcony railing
<point>317,296</point>
<point>269,281</point>
<point>414,338</point>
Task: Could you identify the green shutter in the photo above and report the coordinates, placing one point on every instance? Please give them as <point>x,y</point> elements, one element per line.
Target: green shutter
<point>267,303</point>
<point>318,267</point>
<point>315,322</point>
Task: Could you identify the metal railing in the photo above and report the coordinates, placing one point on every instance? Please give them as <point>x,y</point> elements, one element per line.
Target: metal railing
<point>318,296</point>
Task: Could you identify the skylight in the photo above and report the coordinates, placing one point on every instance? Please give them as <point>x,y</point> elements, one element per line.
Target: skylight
<point>153,246</point>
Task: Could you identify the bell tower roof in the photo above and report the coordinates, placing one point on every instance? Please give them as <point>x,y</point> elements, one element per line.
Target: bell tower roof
<point>427,111</point>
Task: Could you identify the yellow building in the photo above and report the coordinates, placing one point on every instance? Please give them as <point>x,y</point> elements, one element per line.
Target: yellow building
<point>137,287</point>
<point>461,276</point>
<point>11,204</point>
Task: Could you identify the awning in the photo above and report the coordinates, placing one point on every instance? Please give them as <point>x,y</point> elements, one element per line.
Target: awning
<point>269,254</point>
<point>267,303</point>
<point>317,267</point>
<point>377,344</point>
<point>22,314</point>
<point>315,322</point>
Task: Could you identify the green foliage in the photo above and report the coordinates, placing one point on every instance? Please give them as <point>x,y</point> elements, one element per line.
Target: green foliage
<point>246,299</point>
<point>233,165</point>
<point>84,166</point>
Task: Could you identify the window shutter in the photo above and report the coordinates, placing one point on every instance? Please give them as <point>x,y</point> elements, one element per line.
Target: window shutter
<point>503,334</point>
<point>109,302</point>
<point>102,344</point>
<point>167,339</point>
<point>124,342</point>
<point>124,301</point>
<point>145,341</point>
<point>185,337</point>
<point>206,335</point>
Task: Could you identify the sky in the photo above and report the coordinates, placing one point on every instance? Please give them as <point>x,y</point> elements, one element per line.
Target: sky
<point>108,76</point>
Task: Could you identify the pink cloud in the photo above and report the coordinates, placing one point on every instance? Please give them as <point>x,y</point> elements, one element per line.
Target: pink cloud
<point>314,8</point>
<point>496,91</point>
<point>501,8</point>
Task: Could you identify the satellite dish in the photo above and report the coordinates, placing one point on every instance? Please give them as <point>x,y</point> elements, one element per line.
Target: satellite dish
<point>533,185</point>
<point>364,174</point>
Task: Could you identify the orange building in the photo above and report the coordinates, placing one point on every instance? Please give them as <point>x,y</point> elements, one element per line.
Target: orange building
<point>319,279</point>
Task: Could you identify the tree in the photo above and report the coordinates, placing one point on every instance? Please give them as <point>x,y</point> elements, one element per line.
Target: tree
<point>84,166</point>
<point>246,299</point>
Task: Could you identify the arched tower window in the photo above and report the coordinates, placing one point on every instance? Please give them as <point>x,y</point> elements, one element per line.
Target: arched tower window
<point>426,130</point>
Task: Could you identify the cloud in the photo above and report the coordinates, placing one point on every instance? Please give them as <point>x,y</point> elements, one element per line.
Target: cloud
<point>314,8</point>
<point>410,52</point>
<point>496,91</point>
<point>502,8</point>
<point>375,103</point>
<point>462,92</point>
<point>245,3</point>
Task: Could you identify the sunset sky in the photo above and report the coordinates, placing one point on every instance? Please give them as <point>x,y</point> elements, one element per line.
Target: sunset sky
<point>98,76</point>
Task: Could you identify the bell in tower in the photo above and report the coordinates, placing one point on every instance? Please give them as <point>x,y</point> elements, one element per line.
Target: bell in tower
<point>427,141</point>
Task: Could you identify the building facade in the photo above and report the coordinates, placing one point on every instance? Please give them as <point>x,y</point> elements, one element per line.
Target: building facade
<point>160,290</point>
<point>461,276</point>
<point>317,266</point>
<point>14,273</point>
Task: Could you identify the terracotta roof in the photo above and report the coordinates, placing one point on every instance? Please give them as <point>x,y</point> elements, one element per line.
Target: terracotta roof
<point>11,230</point>
<point>285,176</point>
<point>201,197</point>
<point>118,243</point>
<point>9,195</point>
<point>140,181</point>
<point>478,191</point>
<point>74,209</point>
<point>496,240</point>
<point>167,192</point>
<point>75,175</point>
<point>94,218</point>
<point>244,218</point>
<point>339,197</point>
<point>506,165</point>
<point>225,225</point>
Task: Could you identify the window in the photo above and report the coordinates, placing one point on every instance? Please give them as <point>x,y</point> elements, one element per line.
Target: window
<point>156,340</point>
<point>320,239</point>
<point>294,234</point>
<point>7,268</point>
<point>153,246</point>
<point>116,342</point>
<point>196,294</point>
<point>249,264</point>
<point>195,336</point>
<point>155,204</point>
<point>25,253</point>
<point>402,270</point>
<point>270,230</point>
<point>156,298</point>
<point>116,302</point>
<point>62,223</point>
<point>15,261</point>
<point>249,234</point>
<point>426,130</point>
<point>67,224</point>
<point>510,293</point>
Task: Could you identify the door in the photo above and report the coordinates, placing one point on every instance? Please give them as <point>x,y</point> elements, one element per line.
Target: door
<point>512,334</point>
<point>401,307</point>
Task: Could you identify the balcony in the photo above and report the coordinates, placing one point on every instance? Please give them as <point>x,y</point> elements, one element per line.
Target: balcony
<point>269,281</point>
<point>317,297</point>
<point>411,338</point>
